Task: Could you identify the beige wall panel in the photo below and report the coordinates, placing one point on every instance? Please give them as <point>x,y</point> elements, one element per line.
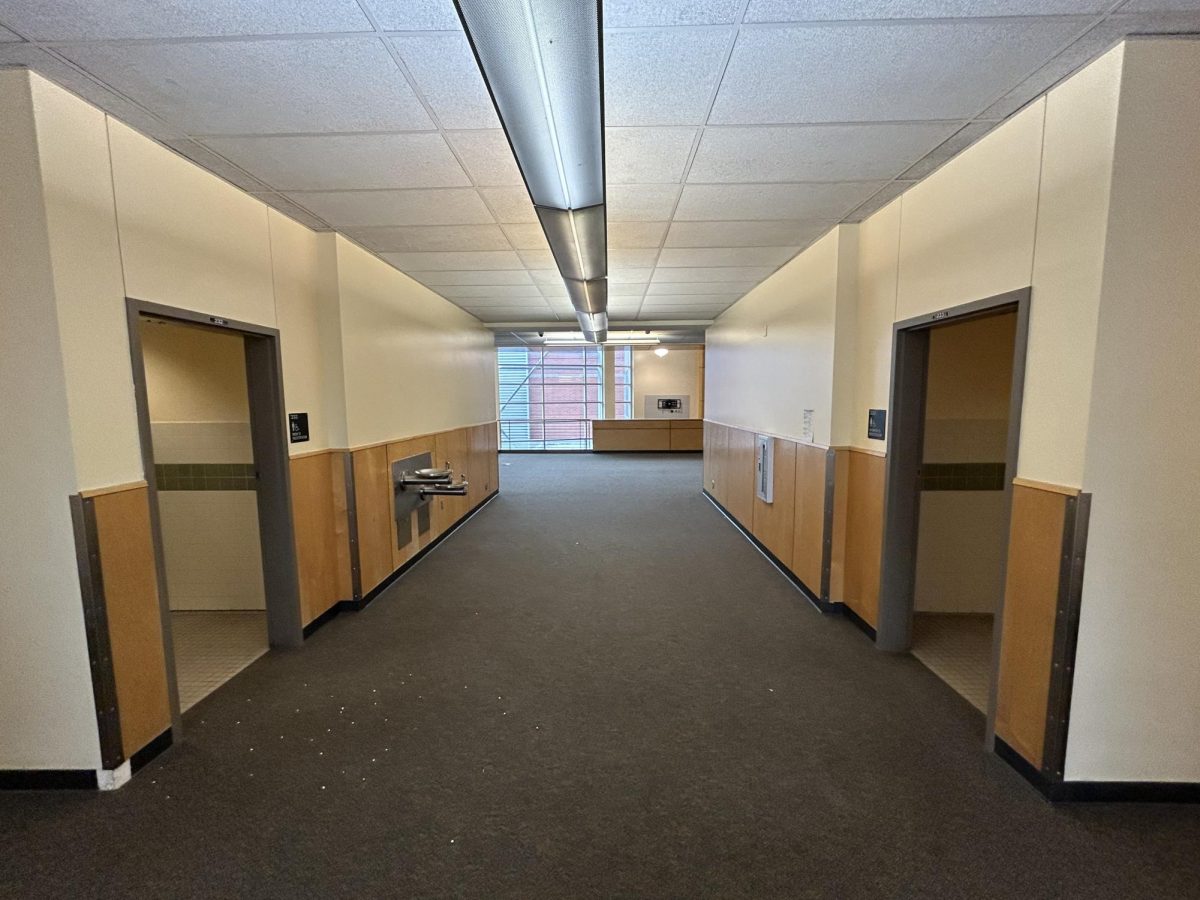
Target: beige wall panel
<point>1030,603</point>
<point>89,287</point>
<point>878,257</point>
<point>1077,170</point>
<point>47,708</point>
<point>968,229</point>
<point>773,522</point>
<point>216,258</point>
<point>681,371</point>
<point>415,363</point>
<point>809,530</point>
<point>194,375</point>
<point>778,342</point>
<point>318,511</point>
<point>373,500</point>
<point>134,618</point>
<point>864,534</point>
<point>1135,713</point>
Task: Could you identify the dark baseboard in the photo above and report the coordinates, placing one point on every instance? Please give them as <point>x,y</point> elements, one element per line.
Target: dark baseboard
<point>150,751</point>
<point>810,595</point>
<point>323,618</point>
<point>48,780</point>
<point>370,595</point>
<point>862,624</point>
<point>1098,791</point>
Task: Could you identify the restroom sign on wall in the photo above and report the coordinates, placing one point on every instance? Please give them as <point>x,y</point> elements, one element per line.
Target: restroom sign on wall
<point>298,427</point>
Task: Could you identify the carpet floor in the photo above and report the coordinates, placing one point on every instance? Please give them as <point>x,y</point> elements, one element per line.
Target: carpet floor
<point>596,688</point>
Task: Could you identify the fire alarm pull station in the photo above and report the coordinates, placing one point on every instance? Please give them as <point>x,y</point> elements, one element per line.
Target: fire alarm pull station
<point>764,468</point>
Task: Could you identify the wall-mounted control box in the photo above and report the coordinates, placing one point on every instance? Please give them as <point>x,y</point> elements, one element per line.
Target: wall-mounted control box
<point>666,406</point>
<point>764,468</point>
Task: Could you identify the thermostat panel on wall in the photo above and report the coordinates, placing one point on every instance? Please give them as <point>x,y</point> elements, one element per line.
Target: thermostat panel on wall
<point>666,406</point>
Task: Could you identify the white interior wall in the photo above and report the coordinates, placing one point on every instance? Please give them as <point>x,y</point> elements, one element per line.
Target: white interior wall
<point>46,703</point>
<point>1135,713</point>
<point>679,372</point>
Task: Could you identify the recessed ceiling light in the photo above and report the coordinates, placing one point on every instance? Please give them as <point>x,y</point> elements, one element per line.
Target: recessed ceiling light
<point>661,352</point>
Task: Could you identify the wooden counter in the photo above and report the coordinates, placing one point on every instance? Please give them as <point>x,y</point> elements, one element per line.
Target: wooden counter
<point>642,435</point>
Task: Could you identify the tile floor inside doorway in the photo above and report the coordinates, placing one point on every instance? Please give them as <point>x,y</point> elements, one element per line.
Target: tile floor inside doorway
<point>958,649</point>
<point>211,646</point>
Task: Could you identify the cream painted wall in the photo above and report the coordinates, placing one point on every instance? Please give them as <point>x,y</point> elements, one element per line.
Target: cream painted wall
<point>46,704</point>
<point>414,363</point>
<point>770,355</point>
<point>679,372</point>
<point>878,264</point>
<point>1135,706</point>
<point>194,375</point>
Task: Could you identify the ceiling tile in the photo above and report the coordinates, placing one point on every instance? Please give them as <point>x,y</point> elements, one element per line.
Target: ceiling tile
<point>527,237</point>
<point>844,10</point>
<point>1134,6</point>
<point>503,293</point>
<point>646,155</point>
<point>511,205</point>
<point>545,276</point>
<point>346,161</point>
<point>639,13</point>
<point>67,76</point>
<point>631,259</point>
<point>628,275</point>
<point>715,202</point>
<point>814,152</point>
<point>666,301</point>
<point>1093,44</point>
<point>958,142</point>
<point>216,164</point>
<point>553,291</point>
<point>290,209</point>
<point>536,259</point>
<point>725,256</point>
<point>483,277</point>
<point>447,75</point>
<point>454,261</point>
<point>84,20</point>
<point>430,237</point>
<point>514,314</point>
<point>880,200</point>
<point>641,202</point>
<point>680,313</point>
<point>415,15</point>
<point>486,156</point>
<point>453,206</point>
<point>626,235</point>
<point>343,84</point>
<point>744,234</point>
<point>884,72</point>
<point>712,275</point>
<point>661,76</point>
<point>670,289</point>
<point>623,291</point>
<point>6,35</point>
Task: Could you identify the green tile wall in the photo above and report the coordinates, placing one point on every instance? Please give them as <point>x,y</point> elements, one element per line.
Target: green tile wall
<point>205,477</point>
<point>962,477</point>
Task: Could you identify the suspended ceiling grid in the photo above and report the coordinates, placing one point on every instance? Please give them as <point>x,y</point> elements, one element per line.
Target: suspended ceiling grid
<point>739,131</point>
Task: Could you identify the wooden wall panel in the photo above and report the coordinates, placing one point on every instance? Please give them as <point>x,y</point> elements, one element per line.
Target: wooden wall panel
<point>738,470</point>
<point>452,448</point>
<point>631,435</point>
<point>373,499</point>
<point>773,522</point>
<point>1030,604</point>
<point>808,550</point>
<point>687,436</point>
<point>864,533</point>
<point>322,546</point>
<point>134,617</point>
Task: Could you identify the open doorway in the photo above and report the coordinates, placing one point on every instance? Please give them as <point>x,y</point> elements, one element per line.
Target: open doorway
<point>210,413</point>
<point>956,401</point>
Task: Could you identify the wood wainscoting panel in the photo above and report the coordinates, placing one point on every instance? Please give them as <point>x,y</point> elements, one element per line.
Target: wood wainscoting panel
<point>135,626</point>
<point>453,449</point>
<point>398,450</point>
<point>773,522</point>
<point>687,435</point>
<point>739,475</point>
<point>319,516</point>
<point>1035,548</point>
<point>631,435</point>
<point>373,499</point>
<point>716,451</point>
<point>866,474</point>
<point>808,550</point>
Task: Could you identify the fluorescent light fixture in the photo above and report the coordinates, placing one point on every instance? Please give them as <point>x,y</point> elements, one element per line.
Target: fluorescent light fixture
<point>541,60</point>
<point>588,296</point>
<point>661,352</point>
<point>578,239</point>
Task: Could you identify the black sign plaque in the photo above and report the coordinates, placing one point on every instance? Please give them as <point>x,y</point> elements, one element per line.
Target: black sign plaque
<point>298,427</point>
<point>876,424</point>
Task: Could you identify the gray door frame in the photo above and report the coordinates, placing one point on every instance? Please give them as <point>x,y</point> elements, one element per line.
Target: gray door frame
<point>268,435</point>
<point>910,362</point>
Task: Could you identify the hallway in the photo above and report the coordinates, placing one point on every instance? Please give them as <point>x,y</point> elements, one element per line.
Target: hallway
<point>596,687</point>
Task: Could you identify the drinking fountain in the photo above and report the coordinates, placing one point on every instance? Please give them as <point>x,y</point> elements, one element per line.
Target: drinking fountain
<point>414,482</point>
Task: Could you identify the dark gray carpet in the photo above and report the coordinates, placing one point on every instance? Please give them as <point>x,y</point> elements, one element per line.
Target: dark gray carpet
<point>595,688</point>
